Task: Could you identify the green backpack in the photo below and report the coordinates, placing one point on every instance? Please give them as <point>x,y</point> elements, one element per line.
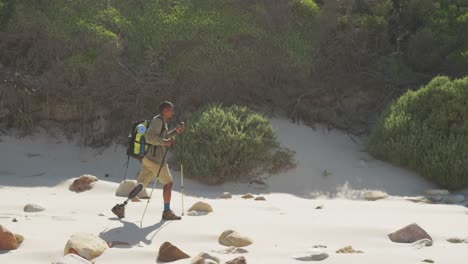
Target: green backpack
<point>137,146</point>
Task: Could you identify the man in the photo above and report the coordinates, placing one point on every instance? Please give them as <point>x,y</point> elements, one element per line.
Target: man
<point>159,138</point>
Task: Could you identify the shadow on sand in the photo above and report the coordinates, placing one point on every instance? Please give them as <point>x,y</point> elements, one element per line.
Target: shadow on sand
<point>132,234</point>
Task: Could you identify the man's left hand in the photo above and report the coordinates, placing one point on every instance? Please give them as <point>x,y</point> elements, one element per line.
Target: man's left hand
<point>181,128</point>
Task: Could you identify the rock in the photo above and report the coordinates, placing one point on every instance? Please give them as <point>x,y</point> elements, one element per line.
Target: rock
<point>311,255</point>
<point>239,260</point>
<point>457,240</point>
<point>127,186</point>
<point>135,199</point>
<point>232,250</point>
<point>436,192</point>
<point>8,240</point>
<point>247,196</point>
<point>232,238</point>
<point>428,261</point>
<point>201,207</point>
<point>319,246</point>
<point>33,208</point>
<point>319,207</point>
<point>72,259</point>
<point>409,234</point>
<point>374,195</point>
<point>168,253</point>
<point>226,195</point>
<point>435,198</point>
<point>86,245</point>
<point>422,243</point>
<point>14,220</point>
<point>204,258</point>
<point>348,249</point>
<point>83,183</point>
<point>453,199</point>
<point>260,198</point>
<point>419,199</point>
<point>196,213</point>
<point>19,238</point>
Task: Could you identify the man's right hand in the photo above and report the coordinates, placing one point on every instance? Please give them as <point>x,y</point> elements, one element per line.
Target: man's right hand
<point>168,142</point>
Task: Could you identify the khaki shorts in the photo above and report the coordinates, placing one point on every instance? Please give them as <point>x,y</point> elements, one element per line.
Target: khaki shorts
<point>149,169</point>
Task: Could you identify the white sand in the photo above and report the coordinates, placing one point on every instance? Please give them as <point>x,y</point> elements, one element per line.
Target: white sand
<point>283,225</point>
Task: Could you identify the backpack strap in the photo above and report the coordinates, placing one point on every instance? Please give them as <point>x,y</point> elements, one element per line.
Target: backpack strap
<point>160,133</point>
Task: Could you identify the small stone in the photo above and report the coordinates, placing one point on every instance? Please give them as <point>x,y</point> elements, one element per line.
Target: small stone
<point>226,195</point>
<point>348,249</point>
<point>14,220</point>
<point>409,234</point>
<point>428,261</point>
<point>247,196</point>
<point>201,207</point>
<point>9,240</point>
<point>435,198</point>
<point>419,199</point>
<point>374,195</point>
<point>319,207</point>
<point>457,240</point>
<point>33,208</point>
<point>454,199</point>
<point>83,183</point>
<point>106,175</point>
<point>204,258</point>
<point>168,253</point>
<point>72,259</point>
<point>196,213</point>
<point>126,186</point>
<point>88,246</point>
<point>260,198</point>
<point>311,255</point>
<point>422,243</point>
<point>232,238</point>
<point>239,260</point>
<point>319,246</point>
<point>436,192</point>
<point>232,250</point>
<point>101,214</point>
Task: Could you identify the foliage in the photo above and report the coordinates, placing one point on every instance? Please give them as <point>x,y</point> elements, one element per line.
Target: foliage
<point>229,143</point>
<point>426,130</point>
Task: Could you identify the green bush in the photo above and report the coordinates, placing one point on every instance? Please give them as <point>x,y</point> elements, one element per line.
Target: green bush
<point>427,130</point>
<point>230,143</point>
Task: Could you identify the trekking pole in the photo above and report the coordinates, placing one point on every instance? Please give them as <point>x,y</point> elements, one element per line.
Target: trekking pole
<point>182,172</point>
<point>154,184</point>
<point>126,169</point>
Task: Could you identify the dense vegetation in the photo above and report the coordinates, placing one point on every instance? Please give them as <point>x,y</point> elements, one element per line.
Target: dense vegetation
<point>230,143</point>
<point>92,66</point>
<point>425,130</point>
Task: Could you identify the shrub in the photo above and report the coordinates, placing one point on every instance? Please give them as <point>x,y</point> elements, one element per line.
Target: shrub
<point>230,143</point>
<point>426,130</point>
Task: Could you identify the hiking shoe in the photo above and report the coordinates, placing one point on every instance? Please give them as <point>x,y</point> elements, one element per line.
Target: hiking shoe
<point>169,215</point>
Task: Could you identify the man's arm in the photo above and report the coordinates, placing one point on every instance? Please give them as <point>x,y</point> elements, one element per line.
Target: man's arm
<point>152,135</point>
<point>179,129</point>
<point>172,133</point>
